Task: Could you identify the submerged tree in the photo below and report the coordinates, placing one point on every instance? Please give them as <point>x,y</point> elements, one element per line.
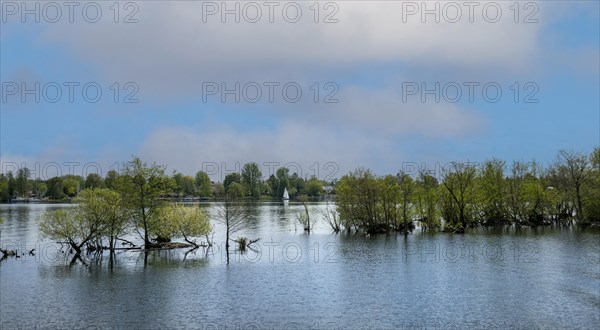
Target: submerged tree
<point>591,191</point>
<point>233,213</point>
<point>576,171</point>
<point>406,187</point>
<point>330,215</point>
<point>141,187</point>
<point>304,216</point>
<point>426,200</point>
<point>102,208</point>
<point>186,222</point>
<point>96,214</point>
<point>459,181</point>
<point>492,194</point>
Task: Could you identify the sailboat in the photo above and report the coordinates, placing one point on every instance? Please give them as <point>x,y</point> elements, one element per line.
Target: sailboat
<point>286,197</point>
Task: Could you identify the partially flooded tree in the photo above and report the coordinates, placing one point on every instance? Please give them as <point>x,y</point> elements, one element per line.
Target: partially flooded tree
<point>591,191</point>
<point>331,217</point>
<point>186,222</point>
<point>426,200</point>
<point>577,172</point>
<point>493,194</point>
<point>141,187</point>
<point>358,201</point>
<point>406,186</point>
<point>527,196</point>
<point>96,214</point>
<point>459,181</point>
<point>387,207</point>
<point>233,213</point>
<point>304,216</point>
<point>102,208</point>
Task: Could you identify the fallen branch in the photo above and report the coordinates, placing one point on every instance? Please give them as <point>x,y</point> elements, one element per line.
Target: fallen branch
<point>126,242</point>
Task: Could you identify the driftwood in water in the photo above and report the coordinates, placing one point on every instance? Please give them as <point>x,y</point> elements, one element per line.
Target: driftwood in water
<point>8,253</point>
<point>244,242</point>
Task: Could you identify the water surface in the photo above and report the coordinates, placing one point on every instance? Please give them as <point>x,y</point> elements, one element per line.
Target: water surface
<point>547,278</point>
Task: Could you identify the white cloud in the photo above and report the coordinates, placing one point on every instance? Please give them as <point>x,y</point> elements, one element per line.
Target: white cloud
<point>384,112</point>
<point>171,51</point>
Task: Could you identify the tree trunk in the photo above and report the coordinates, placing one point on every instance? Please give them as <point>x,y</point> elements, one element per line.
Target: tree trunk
<point>227,243</point>
<point>579,204</point>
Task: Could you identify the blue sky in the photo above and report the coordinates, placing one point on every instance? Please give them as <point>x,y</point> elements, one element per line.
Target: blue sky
<point>370,54</point>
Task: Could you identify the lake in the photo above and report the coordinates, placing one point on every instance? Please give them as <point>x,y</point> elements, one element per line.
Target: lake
<point>545,278</point>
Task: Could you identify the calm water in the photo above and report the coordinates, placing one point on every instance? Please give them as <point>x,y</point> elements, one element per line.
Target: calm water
<point>546,279</point>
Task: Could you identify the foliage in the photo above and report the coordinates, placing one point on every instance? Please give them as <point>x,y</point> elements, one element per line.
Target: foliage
<point>184,185</point>
<point>314,187</point>
<point>230,179</point>
<point>141,187</point>
<point>459,195</point>
<point>94,180</point>
<point>184,221</point>
<point>492,194</point>
<point>251,179</point>
<point>426,200</point>
<point>203,184</point>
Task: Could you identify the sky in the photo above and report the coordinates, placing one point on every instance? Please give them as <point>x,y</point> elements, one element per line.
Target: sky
<point>320,88</point>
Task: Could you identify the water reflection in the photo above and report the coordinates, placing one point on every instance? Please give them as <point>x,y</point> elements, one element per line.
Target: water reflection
<point>494,277</point>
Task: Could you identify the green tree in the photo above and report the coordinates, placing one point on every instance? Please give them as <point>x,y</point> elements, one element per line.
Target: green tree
<point>11,185</point>
<point>358,201</point>
<point>55,189</point>
<point>231,178</point>
<point>526,194</point>
<point>218,189</point>
<point>283,182</point>
<point>184,185</point>
<point>141,187</point>
<point>493,193</point>
<point>388,199</point>
<point>577,173</point>
<point>22,184</point>
<point>96,210</point>
<point>111,179</point>
<point>273,184</point>
<point>296,186</point>
<point>591,191</point>
<point>251,179</point>
<point>71,185</point>
<point>93,180</point>
<point>406,189</point>
<point>203,184</point>
<point>314,187</point>
<point>4,191</point>
<point>185,221</point>
<point>101,209</point>
<point>39,187</point>
<point>426,200</point>
<point>236,190</point>
<point>459,181</point>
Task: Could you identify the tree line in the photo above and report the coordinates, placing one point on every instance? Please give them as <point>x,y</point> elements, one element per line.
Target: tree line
<point>248,183</point>
<point>468,195</point>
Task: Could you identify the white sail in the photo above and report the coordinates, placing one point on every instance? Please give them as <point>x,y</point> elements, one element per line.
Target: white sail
<point>285,194</point>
